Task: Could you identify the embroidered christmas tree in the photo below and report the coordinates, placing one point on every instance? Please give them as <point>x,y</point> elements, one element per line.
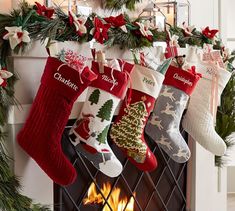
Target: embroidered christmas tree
<point>105,111</point>
<point>128,131</point>
<point>94,97</point>
<point>101,138</point>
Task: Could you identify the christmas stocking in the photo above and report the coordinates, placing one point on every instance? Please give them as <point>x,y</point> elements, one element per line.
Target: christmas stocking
<point>163,125</point>
<point>128,130</point>
<point>198,120</point>
<point>89,134</point>
<point>41,135</point>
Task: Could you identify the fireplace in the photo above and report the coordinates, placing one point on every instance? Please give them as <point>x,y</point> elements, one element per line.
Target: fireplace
<point>161,190</point>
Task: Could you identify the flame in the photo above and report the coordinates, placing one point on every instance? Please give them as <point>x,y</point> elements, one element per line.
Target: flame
<point>113,200</point>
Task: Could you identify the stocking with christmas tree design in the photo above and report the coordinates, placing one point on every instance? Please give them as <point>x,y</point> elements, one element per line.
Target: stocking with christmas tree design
<point>128,130</point>
<point>94,97</point>
<point>89,134</point>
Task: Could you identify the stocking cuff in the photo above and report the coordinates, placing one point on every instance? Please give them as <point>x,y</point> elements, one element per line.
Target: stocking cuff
<point>66,80</point>
<point>209,69</point>
<point>147,80</point>
<point>112,80</point>
<point>180,79</point>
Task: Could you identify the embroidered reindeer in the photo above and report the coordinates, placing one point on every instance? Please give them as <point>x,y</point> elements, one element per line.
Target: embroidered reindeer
<point>163,142</point>
<point>166,93</point>
<point>181,153</point>
<point>172,129</point>
<point>168,110</point>
<point>154,121</point>
<point>182,101</point>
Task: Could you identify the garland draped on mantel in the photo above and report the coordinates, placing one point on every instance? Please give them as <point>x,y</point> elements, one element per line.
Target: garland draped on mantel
<point>30,23</point>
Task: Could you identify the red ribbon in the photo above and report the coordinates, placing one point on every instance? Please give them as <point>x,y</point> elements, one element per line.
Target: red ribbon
<point>193,71</point>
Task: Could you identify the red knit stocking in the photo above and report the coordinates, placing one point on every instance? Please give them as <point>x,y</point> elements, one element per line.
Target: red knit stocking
<point>41,134</point>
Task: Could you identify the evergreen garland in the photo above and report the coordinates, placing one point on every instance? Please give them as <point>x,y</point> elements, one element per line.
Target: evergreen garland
<point>225,120</point>
<point>60,28</point>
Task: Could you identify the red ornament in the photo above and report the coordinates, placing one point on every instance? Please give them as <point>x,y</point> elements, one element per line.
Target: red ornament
<point>209,33</point>
<point>116,21</point>
<point>44,11</point>
<point>101,30</point>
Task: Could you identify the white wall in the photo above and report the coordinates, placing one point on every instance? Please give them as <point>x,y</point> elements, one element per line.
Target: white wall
<point>203,13</point>
<point>231,179</point>
<point>230,20</point>
<point>230,24</point>
<point>5,6</point>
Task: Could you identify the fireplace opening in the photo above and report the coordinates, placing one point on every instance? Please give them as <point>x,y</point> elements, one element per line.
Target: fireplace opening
<point>161,190</point>
<point>110,199</point>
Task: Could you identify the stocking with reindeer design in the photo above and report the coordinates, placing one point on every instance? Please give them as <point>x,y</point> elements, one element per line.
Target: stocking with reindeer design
<point>89,133</point>
<point>163,124</point>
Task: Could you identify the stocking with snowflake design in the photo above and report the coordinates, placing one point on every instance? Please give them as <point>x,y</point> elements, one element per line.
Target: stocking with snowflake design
<point>128,130</point>
<point>41,134</point>
<point>89,134</point>
<point>199,118</point>
<point>163,124</point>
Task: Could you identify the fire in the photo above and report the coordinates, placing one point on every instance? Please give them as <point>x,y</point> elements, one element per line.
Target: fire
<point>114,200</point>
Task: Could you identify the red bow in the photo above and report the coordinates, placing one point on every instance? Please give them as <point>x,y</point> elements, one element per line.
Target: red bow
<point>209,33</point>
<point>101,30</point>
<point>116,21</point>
<point>44,11</point>
<point>193,71</point>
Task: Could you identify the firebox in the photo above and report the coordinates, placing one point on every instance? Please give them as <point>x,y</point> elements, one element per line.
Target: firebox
<point>161,190</point>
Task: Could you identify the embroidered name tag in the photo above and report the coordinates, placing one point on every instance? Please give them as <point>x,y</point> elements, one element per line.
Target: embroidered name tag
<point>109,80</point>
<point>67,82</point>
<point>148,81</point>
<point>184,80</point>
<point>211,71</point>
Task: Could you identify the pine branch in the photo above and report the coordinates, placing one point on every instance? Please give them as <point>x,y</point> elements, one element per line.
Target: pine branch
<point>225,120</point>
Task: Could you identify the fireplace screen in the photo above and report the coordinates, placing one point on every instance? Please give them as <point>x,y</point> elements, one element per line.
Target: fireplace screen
<point>161,190</point>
